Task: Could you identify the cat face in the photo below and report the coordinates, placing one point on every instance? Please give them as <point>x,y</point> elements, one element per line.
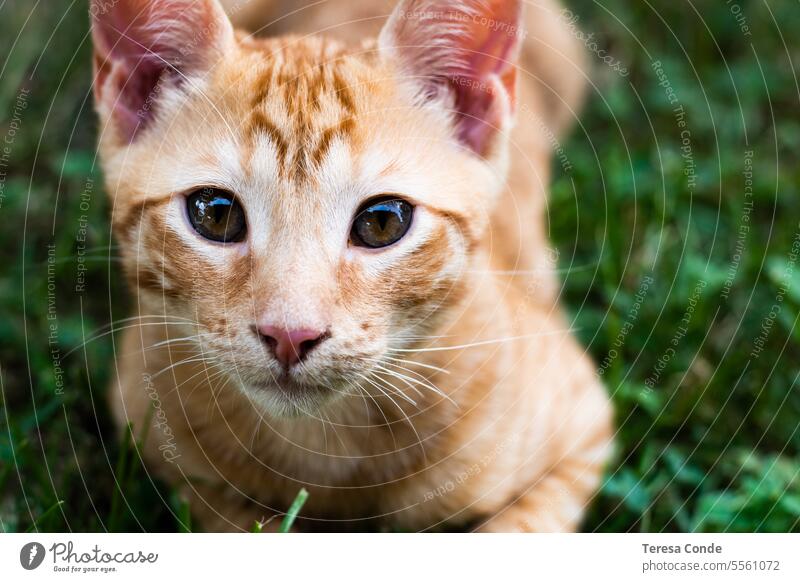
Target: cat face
<point>303,208</point>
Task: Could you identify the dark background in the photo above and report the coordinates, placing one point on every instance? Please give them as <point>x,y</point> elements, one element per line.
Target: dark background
<point>649,234</point>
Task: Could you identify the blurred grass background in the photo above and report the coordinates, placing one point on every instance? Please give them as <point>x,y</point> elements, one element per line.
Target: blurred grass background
<point>708,408</point>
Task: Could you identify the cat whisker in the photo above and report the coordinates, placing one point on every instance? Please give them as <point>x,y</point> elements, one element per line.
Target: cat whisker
<point>390,362</point>
<point>410,337</point>
<point>392,389</point>
<point>195,375</point>
<point>526,272</point>
<point>187,339</point>
<point>114,330</point>
<point>414,363</point>
<point>190,360</point>
<point>256,431</point>
<point>175,348</point>
<point>403,380</point>
<point>365,394</point>
<point>333,427</point>
<point>191,343</point>
<point>403,412</point>
<point>117,322</point>
<point>425,383</point>
<point>481,343</point>
<point>215,392</point>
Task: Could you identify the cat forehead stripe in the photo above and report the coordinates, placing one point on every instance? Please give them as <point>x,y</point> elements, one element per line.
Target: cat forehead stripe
<point>310,93</point>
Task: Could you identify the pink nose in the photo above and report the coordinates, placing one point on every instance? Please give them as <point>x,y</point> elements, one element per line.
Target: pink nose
<point>289,346</point>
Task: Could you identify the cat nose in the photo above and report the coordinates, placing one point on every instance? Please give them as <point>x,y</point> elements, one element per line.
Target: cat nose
<point>290,346</point>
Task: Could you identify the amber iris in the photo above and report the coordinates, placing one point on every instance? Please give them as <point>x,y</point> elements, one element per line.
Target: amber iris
<point>381,223</point>
<point>216,215</point>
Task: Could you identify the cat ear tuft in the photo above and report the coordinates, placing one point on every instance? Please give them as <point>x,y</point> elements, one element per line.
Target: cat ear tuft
<point>141,43</point>
<point>466,49</point>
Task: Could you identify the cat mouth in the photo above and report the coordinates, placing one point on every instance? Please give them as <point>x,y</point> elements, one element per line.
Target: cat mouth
<point>289,385</point>
<point>288,397</point>
<point>301,389</point>
<point>284,381</point>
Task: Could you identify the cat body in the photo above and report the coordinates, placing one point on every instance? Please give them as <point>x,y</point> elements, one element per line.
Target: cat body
<point>428,384</point>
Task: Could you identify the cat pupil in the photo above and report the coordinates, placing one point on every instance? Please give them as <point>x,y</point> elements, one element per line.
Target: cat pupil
<point>216,215</point>
<point>220,209</point>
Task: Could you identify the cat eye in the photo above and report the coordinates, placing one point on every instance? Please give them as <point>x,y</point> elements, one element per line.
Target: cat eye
<point>216,215</point>
<point>380,223</point>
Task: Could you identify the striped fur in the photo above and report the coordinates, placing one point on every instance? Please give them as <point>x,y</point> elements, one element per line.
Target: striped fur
<point>450,394</point>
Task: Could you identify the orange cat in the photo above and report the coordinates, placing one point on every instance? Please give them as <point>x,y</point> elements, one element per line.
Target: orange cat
<point>341,276</point>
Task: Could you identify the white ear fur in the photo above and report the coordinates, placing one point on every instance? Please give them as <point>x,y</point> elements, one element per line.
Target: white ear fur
<point>140,43</point>
<point>423,42</point>
<point>462,52</point>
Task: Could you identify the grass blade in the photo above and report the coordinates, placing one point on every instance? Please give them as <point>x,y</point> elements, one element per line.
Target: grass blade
<point>119,477</point>
<point>37,521</point>
<point>291,515</point>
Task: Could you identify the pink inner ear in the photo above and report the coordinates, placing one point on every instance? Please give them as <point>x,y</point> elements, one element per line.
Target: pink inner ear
<point>139,43</point>
<point>132,87</point>
<point>477,101</point>
<point>471,47</point>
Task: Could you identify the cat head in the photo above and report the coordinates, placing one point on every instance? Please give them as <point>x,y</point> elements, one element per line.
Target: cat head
<point>308,207</point>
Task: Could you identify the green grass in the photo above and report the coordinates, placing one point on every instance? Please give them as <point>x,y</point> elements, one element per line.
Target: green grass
<point>712,445</point>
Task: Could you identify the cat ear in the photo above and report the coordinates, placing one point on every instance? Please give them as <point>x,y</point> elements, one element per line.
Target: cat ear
<point>466,49</point>
<point>139,44</point>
